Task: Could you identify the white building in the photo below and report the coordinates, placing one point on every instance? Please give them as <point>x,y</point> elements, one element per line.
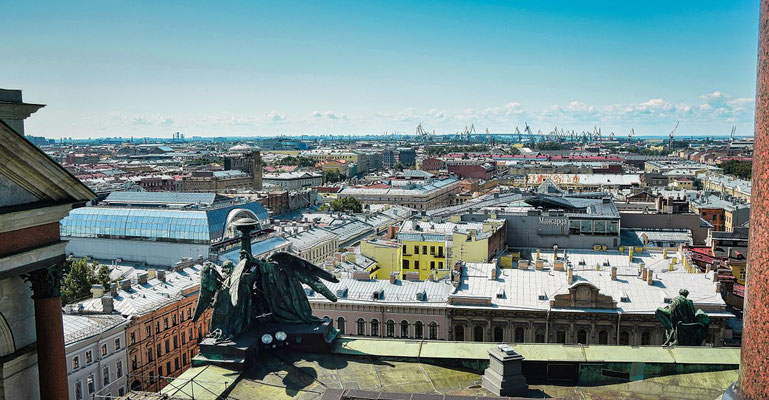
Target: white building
<point>314,245</point>
<point>95,347</point>
<point>293,180</point>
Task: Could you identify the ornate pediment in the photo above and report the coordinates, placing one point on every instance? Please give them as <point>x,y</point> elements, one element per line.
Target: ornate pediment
<point>583,295</point>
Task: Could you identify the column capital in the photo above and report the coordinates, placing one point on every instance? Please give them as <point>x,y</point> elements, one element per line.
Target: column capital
<point>45,282</point>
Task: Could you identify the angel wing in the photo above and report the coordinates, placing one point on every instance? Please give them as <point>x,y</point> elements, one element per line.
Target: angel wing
<point>234,280</point>
<point>307,273</point>
<point>210,282</point>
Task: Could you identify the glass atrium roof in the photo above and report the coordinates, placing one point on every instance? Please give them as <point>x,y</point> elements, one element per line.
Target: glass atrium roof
<point>190,226</point>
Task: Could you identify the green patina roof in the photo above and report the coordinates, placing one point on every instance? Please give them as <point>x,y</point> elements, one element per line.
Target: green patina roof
<point>539,351</point>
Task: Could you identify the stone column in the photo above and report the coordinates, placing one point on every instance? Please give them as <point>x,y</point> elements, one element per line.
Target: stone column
<point>51,358</point>
<point>754,363</point>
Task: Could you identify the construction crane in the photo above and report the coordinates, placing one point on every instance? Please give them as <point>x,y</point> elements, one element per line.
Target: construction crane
<point>672,133</point>
<point>731,135</point>
<point>424,135</point>
<point>527,129</point>
<point>631,134</point>
<point>611,136</point>
<point>465,136</point>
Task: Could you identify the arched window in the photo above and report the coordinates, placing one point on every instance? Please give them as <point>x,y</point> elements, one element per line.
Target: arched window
<point>646,338</point>
<point>361,327</point>
<point>390,328</point>
<point>433,331</point>
<point>459,333</point>
<point>519,335</point>
<point>478,333</point>
<point>582,336</point>
<point>340,325</point>
<point>560,336</point>
<point>624,338</point>
<point>418,329</point>
<point>374,327</point>
<point>498,334</point>
<point>539,336</point>
<point>404,329</point>
<point>603,337</point>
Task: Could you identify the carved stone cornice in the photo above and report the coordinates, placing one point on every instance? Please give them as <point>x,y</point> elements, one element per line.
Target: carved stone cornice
<point>14,110</point>
<point>45,282</point>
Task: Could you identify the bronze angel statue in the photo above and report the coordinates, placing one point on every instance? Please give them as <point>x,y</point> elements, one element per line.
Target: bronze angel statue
<point>259,290</point>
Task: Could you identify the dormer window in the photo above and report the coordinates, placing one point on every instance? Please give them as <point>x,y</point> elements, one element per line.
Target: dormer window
<point>378,294</point>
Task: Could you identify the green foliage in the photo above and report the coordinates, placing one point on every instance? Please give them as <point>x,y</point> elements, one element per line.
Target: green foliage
<point>645,152</point>
<point>200,161</point>
<point>398,166</point>
<point>347,204</point>
<point>298,161</point>
<point>78,278</point>
<point>511,151</point>
<point>441,150</point>
<point>552,146</point>
<point>102,276</point>
<point>333,176</point>
<point>740,169</point>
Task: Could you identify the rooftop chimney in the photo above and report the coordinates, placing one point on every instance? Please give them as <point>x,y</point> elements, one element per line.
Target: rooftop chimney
<point>97,290</point>
<point>393,277</point>
<point>113,289</point>
<point>125,284</point>
<point>644,272</point>
<point>151,273</point>
<point>107,304</point>
<point>614,273</point>
<point>161,275</point>
<point>493,275</point>
<point>141,277</point>
<point>650,277</point>
<point>570,275</point>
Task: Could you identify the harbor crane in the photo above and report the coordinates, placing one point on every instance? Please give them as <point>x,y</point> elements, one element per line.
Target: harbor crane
<point>465,136</point>
<point>424,135</point>
<point>631,134</point>
<point>672,133</point>
<point>731,135</point>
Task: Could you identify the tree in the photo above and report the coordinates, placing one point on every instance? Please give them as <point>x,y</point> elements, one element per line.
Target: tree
<point>740,169</point>
<point>333,176</point>
<point>346,204</point>
<point>398,166</point>
<point>77,281</point>
<point>102,276</point>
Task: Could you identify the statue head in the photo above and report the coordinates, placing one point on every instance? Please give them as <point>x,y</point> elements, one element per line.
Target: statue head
<point>227,268</point>
<point>683,292</point>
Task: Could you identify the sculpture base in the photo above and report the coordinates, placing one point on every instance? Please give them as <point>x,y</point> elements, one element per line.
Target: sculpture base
<point>241,351</point>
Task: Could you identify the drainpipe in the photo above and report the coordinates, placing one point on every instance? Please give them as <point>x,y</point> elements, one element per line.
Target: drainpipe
<point>547,325</point>
<point>619,319</point>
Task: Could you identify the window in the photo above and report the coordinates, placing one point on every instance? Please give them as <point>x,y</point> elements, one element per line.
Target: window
<point>603,337</point>
<point>157,326</point>
<point>582,336</point>
<point>624,338</point>
<point>165,323</point>
<point>418,327</point>
<point>424,249</point>
<point>78,390</point>
<point>433,331</point>
<point>459,333</point>
<point>405,264</point>
<point>646,338</point>
<point>168,345</point>
<point>404,329</point>
<point>149,353</point>
<point>75,362</point>
<point>133,337</point>
<point>340,325</point>
<point>149,330</point>
<point>478,333</point>
<point>104,349</point>
<point>173,320</point>
<point>498,334</point>
<point>168,367</point>
<point>159,349</point>
<point>440,264</point>
<point>160,372</point>
<point>432,264</point>
<point>105,375</point>
<point>121,391</point>
<point>133,362</point>
<point>539,336</point>
<point>117,344</point>
<point>404,250</point>
<point>440,251</point>
<point>416,249</point>
<point>184,358</point>
<point>189,313</point>
<point>416,264</point>
<point>374,327</point>
<point>560,337</point>
<point>361,327</point>
<point>390,328</point>
<point>176,343</point>
<point>432,250</point>
<point>119,368</point>
<point>176,363</point>
<point>152,377</point>
<point>181,316</point>
<point>90,384</point>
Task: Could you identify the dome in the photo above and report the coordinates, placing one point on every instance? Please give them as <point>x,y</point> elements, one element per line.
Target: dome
<point>242,147</point>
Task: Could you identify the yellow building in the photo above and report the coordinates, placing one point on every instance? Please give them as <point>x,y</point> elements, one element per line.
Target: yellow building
<point>432,248</point>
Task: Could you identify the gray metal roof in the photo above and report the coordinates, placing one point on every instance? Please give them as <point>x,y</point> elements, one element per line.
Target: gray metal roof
<point>160,198</point>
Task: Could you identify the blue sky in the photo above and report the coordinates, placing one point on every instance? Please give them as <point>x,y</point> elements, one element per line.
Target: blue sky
<point>108,68</point>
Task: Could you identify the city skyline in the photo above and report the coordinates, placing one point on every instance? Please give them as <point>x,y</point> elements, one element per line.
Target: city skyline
<point>345,68</point>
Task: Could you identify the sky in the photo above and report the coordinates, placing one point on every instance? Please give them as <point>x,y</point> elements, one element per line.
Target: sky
<point>230,68</point>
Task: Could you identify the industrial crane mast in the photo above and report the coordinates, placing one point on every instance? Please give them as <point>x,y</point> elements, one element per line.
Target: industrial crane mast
<point>672,133</point>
